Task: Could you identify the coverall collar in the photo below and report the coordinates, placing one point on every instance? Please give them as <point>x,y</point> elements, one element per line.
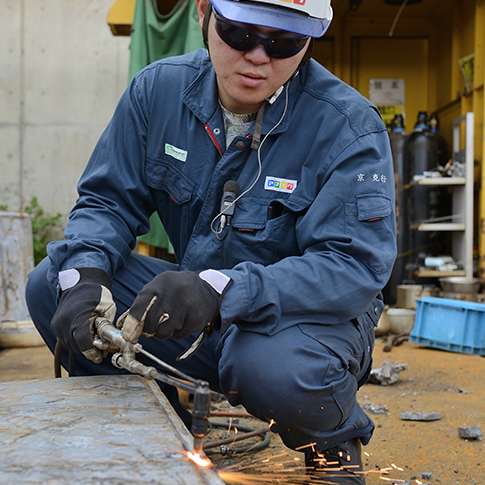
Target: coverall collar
<point>202,99</point>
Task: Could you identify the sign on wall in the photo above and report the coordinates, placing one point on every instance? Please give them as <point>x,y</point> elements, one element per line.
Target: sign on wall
<point>389,97</point>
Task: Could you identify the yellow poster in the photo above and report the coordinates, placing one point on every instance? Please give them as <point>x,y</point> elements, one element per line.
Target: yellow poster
<point>467,66</point>
<point>389,112</point>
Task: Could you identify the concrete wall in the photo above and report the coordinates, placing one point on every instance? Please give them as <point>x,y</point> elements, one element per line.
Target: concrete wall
<point>61,75</point>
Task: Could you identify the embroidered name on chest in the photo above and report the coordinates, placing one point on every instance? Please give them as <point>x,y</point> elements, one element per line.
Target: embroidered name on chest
<point>175,152</point>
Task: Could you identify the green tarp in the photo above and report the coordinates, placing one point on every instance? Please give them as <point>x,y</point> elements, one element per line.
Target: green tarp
<point>155,36</point>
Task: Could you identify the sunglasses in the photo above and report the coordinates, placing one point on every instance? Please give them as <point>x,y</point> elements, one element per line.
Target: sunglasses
<point>246,40</point>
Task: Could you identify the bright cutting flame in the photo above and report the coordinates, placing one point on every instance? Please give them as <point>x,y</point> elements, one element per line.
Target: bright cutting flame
<point>198,460</point>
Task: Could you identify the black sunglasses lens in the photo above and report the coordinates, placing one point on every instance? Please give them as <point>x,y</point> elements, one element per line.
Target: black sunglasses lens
<point>245,40</point>
<point>234,36</point>
<point>282,47</point>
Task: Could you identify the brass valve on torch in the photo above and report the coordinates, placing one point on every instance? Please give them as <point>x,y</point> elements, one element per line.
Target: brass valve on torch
<point>110,338</point>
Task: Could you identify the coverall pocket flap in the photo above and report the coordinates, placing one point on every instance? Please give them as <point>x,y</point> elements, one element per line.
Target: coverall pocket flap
<point>249,214</point>
<point>372,229</point>
<point>254,214</point>
<point>161,176</point>
<point>373,206</point>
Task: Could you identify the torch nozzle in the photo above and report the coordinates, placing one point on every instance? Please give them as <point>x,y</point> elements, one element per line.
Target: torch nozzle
<point>200,415</point>
<point>198,445</point>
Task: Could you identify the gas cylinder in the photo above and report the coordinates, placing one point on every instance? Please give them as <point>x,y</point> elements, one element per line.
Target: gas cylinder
<point>421,155</point>
<point>444,193</point>
<point>443,148</point>
<point>398,138</point>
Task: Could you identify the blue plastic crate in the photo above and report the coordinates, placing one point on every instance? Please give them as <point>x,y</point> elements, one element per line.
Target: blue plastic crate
<point>454,325</point>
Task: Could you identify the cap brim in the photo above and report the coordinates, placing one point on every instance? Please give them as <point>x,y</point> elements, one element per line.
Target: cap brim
<point>271,16</point>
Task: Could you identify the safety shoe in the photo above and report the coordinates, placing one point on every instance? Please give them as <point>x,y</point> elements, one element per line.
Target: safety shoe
<point>341,464</point>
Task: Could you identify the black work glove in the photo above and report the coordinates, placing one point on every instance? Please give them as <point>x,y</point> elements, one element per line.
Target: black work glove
<point>85,295</point>
<point>175,304</point>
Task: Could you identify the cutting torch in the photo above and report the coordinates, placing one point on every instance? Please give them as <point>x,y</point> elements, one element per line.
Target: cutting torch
<point>110,338</point>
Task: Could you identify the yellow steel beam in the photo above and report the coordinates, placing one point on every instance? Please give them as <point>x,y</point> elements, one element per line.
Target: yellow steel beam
<point>479,109</point>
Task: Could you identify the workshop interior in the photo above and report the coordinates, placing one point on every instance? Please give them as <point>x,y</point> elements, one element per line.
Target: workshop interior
<point>420,62</point>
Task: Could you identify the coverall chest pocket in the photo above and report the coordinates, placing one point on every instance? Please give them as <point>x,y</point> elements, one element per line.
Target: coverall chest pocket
<point>370,225</point>
<point>162,176</point>
<point>259,239</point>
<point>176,199</point>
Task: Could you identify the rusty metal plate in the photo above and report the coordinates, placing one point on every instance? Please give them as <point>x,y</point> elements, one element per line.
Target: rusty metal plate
<point>104,429</point>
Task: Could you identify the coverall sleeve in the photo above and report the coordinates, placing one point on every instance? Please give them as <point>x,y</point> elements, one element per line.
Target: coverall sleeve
<point>347,238</point>
<point>114,203</point>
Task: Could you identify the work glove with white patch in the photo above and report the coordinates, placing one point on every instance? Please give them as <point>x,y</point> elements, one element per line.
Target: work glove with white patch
<point>175,304</point>
<point>85,295</point>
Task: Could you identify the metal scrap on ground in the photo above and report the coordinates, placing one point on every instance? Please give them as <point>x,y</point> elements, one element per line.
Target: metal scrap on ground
<point>470,433</point>
<point>419,416</point>
<point>375,408</point>
<point>387,374</point>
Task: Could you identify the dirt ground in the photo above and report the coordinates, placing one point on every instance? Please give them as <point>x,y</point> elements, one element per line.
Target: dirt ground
<point>413,452</point>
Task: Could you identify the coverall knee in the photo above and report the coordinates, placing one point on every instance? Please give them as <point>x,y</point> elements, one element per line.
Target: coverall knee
<point>305,378</point>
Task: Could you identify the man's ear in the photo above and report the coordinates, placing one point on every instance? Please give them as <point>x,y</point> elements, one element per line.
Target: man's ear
<point>201,7</point>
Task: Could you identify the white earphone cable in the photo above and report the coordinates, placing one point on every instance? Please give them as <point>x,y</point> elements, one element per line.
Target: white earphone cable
<point>221,226</point>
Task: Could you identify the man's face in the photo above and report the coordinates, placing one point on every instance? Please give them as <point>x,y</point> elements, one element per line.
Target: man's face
<point>246,79</point>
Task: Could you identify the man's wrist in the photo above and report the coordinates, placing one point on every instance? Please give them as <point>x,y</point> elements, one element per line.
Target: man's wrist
<point>219,281</point>
<point>71,277</point>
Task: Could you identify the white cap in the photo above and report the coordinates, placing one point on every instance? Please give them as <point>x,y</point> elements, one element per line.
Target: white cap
<point>305,17</point>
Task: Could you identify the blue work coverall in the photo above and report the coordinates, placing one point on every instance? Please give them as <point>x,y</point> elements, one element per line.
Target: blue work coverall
<point>307,271</point>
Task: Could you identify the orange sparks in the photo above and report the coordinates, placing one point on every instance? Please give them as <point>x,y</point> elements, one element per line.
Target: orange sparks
<point>198,460</point>
<point>309,445</point>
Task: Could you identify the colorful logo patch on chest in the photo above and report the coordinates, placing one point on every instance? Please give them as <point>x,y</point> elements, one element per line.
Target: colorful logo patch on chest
<point>280,185</point>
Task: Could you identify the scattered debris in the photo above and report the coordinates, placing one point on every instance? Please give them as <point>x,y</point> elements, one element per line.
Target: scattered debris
<point>400,482</point>
<point>419,416</point>
<point>470,433</point>
<point>375,408</point>
<point>395,340</point>
<point>460,391</point>
<point>387,374</point>
<point>426,475</point>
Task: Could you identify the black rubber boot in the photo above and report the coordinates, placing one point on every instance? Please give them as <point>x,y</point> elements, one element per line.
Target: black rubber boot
<point>341,464</point>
